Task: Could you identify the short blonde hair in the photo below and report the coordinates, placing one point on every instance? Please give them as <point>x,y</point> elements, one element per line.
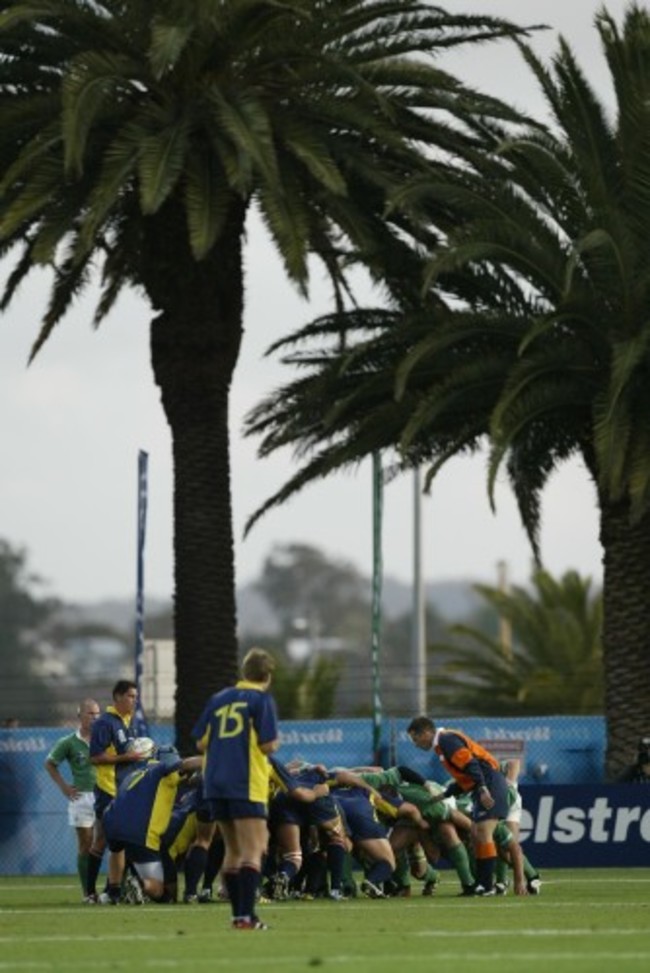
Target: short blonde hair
<point>258,665</point>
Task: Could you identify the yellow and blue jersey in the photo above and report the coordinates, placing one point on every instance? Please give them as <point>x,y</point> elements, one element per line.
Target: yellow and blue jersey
<point>232,727</point>
<point>361,811</point>
<point>111,733</point>
<point>140,812</point>
<point>182,828</point>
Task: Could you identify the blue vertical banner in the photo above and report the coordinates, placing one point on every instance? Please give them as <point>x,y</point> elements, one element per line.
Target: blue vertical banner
<point>143,461</point>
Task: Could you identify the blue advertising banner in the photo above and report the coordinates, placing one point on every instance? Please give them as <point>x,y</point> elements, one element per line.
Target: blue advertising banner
<point>583,827</point>
<point>35,837</point>
<point>336,743</point>
<point>555,749</point>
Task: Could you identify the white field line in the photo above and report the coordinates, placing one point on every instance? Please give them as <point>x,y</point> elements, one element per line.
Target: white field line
<point>438,933</point>
<point>493,933</point>
<point>430,905</point>
<point>32,887</point>
<point>632,880</point>
<point>278,961</point>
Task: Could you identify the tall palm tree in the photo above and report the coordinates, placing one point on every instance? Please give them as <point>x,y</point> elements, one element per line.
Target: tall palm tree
<point>136,137</point>
<point>553,663</point>
<point>533,334</point>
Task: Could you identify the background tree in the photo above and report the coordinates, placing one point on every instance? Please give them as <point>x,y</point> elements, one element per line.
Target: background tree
<point>307,690</point>
<point>327,597</point>
<point>553,665</point>
<point>22,694</point>
<point>544,349</point>
<point>313,612</point>
<point>137,138</point>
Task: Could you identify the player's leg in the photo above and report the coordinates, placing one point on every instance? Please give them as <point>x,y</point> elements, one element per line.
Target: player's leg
<point>197,857</point>
<point>379,854</point>
<point>252,840</point>
<point>95,853</point>
<point>289,851</point>
<point>81,816</point>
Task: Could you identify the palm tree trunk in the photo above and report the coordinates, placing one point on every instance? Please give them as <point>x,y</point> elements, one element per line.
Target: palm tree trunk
<point>195,344</point>
<point>626,632</point>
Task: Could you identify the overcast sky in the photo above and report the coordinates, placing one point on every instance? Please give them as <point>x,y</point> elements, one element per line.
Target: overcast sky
<point>73,422</point>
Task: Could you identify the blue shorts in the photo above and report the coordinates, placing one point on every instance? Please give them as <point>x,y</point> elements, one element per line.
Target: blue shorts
<point>285,809</point>
<point>203,812</point>
<point>360,821</point>
<point>229,809</point>
<point>102,800</point>
<point>135,853</point>
<point>498,787</point>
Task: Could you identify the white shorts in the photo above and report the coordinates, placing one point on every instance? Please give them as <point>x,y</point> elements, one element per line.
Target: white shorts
<point>81,813</point>
<point>152,870</point>
<point>515,809</point>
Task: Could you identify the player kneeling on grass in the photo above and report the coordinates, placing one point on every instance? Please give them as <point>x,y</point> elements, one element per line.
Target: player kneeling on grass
<point>138,817</point>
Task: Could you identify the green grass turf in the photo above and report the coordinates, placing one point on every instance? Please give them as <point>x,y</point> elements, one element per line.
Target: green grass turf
<point>588,920</point>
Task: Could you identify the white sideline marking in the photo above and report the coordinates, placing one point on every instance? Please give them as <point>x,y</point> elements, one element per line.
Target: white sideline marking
<point>283,961</point>
<point>131,937</point>
<point>508,903</point>
<point>475,933</point>
<point>38,888</point>
<point>469,934</point>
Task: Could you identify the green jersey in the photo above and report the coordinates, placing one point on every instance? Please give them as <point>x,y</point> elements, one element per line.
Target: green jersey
<point>421,797</point>
<point>75,751</point>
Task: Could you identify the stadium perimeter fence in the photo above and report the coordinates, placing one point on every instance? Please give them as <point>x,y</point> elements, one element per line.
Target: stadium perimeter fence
<point>562,761</point>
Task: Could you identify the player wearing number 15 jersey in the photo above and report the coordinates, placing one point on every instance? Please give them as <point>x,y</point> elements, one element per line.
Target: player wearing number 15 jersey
<point>236,731</point>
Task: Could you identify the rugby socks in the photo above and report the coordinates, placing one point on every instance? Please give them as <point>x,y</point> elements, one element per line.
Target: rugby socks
<point>82,869</point>
<point>92,872</point>
<point>335,864</point>
<point>529,871</point>
<point>249,880</point>
<point>195,863</point>
<point>501,872</point>
<point>114,893</point>
<point>486,859</point>
<point>290,864</point>
<point>460,860</point>
<point>402,875</point>
<point>231,881</point>
<point>431,875</point>
<point>216,852</point>
<point>379,872</point>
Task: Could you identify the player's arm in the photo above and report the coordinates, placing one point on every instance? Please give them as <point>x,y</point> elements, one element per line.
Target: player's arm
<point>310,794</point>
<point>516,857</point>
<point>348,778</point>
<point>69,791</point>
<point>190,764</point>
<point>411,813</point>
<point>270,747</point>
<point>511,769</point>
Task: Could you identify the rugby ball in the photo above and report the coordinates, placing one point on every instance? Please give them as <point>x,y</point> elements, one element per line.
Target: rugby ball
<point>143,746</point>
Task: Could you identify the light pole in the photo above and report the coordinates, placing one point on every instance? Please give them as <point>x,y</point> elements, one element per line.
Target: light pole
<point>418,624</point>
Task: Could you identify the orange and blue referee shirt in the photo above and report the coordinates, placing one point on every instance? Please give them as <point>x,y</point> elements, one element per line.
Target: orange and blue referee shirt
<point>470,764</point>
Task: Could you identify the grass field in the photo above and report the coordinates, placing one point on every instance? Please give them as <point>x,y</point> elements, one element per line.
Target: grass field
<point>589,920</point>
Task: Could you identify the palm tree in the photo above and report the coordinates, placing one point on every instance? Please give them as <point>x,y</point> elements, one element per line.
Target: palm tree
<point>533,334</point>
<point>137,137</point>
<point>553,664</point>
